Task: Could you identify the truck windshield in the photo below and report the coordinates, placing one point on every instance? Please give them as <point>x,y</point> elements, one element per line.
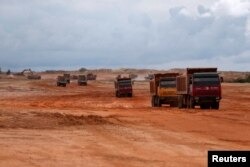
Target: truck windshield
<point>168,82</point>
<point>206,81</point>
<point>125,83</point>
<point>82,78</point>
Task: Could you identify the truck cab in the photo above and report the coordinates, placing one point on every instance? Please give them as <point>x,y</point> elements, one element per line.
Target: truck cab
<point>61,81</point>
<point>163,89</point>
<point>199,87</point>
<point>205,90</point>
<point>123,87</point>
<point>167,86</point>
<point>67,77</point>
<point>82,80</point>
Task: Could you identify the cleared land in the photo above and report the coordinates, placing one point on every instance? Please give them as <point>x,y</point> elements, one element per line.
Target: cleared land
<point>45,125</point>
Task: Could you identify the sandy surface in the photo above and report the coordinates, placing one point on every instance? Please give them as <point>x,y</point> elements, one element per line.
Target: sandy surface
<point>44,125</point>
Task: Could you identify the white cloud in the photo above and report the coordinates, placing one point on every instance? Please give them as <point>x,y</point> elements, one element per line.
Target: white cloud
<point>236,8</point>
<point>117,33</point>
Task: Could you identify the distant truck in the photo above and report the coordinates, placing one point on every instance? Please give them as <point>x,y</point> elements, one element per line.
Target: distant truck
<point>163,89</point>
<point>34,77</point>
<point>199,87</point>
<point>61,81</point>
<point>82,80</point>
<point>91,76</point>
<point>67,77</point>
<point>149,77</point>
<point>123,87</point>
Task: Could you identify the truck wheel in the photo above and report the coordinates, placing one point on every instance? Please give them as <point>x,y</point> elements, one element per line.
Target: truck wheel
<point>157,101</point>
<point>153,101</point>
<point>215,105</point>
<point>180,102</point>
<point>191,102</point>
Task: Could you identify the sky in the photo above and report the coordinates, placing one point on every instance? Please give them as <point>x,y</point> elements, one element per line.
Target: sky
<point>154,34</point>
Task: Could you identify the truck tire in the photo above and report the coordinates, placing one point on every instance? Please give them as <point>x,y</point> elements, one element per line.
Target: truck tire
<point>153,101</point>
<point>215,105</point>
<point>191,102</point>
<point>157,101</point>
<point>180,101</point>
<point>117,94</point>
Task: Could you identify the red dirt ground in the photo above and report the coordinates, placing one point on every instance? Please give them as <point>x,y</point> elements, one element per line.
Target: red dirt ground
<point>45,125</point>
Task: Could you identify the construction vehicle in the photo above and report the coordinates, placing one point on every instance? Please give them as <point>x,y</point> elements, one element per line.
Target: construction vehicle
<point>199,87</point>
<point>35,77</point>
<point>149,77</point>
<point>123,87</point>
<point>29,74</point>
<point>91,76</point>
<point>67,77</point>
<point>61,81</point>
<point>163,89</point>
<point>133,76</point>
<point>82,80</point>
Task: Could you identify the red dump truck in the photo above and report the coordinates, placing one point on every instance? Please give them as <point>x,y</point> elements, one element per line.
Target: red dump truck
<point>199,87</point>
<point>163,89</point>
<point>82,80</point>
<point>123,87</point>
<point>91,76</point>
<point>67,77</point>
<point>61,81</point>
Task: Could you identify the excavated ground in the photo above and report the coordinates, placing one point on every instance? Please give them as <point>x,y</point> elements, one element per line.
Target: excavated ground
<point>45,125</point>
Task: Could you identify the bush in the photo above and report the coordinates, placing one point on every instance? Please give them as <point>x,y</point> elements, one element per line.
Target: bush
<point>243,80</point>
<point>8,72</point>
<point>82,69</point>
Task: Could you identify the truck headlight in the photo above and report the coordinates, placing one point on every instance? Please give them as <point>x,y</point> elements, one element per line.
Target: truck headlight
<point>217,99</point>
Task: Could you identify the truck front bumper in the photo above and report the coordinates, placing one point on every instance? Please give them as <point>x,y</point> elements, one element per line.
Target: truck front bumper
<point>206,99</point>
<point>168,99</point>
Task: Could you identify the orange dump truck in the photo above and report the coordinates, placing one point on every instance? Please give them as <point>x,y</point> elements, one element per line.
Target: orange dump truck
<point>163,89</point>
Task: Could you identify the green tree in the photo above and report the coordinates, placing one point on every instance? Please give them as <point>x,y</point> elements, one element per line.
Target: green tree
<point>82,69</point>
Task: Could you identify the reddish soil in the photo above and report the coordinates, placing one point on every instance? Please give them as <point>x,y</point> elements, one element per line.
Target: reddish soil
<point>45,125</point>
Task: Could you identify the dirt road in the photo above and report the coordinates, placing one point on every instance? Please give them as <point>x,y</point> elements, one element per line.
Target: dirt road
<point>44,125</point>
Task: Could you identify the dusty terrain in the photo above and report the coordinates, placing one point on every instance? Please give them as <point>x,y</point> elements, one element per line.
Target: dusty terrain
<point>44,125</point>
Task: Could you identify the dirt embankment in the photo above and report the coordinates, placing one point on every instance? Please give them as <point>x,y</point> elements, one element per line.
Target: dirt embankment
<point>45,125</point>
